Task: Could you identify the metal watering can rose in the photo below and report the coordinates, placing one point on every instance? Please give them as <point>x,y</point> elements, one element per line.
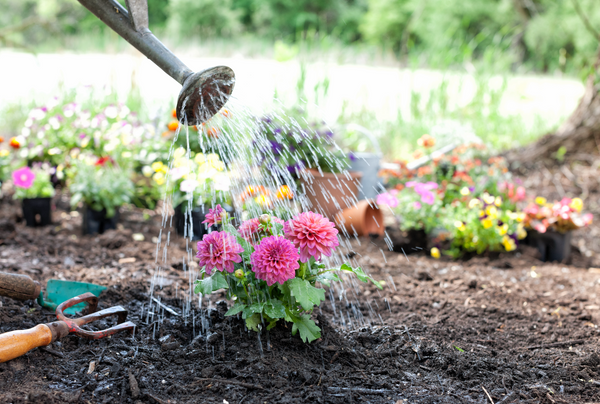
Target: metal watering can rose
<point>203,93</point>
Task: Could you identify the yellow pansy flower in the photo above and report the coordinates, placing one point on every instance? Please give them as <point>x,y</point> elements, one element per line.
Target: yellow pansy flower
<point>508,243</point>
<point>487,223</point>
<point>492,212</point>
<point>474,203</point>
<point>157,165</point>
<point>4,153</point>
<point>147,171</point>
<point>502,230</point>
<point>180,152</point>
<point>159,178</point>
<point>465,191</point>
<point>435,253</point>
<point>576,204</point>
<point>498,201</point>
<point>460,225</point>
<point>488,199</point>
<point>521,232</point>
<point>200,159</point>
<point>540,200</point>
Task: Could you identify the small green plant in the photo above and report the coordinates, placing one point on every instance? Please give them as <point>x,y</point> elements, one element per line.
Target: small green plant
<point>270,269</point>
<point>33,183</point>
<point>100,185</point>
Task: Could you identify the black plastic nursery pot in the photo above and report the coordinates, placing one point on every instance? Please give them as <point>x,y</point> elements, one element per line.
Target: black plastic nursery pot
<point>182,222</point>
<point>553,246</point>
<point>96,222</point>
<point>37,211</point>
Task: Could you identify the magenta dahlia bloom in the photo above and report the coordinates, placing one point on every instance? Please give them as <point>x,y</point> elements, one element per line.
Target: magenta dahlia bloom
<point>219,250</point>
<point>249,228</point>
<point>23,177</point>
<point>313,234</point>
<point>213,217</point>
<point>275,259</point>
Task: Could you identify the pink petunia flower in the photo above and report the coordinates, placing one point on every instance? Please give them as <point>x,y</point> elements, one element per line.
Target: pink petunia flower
<point>188,186</point>
<point>214,216</point>
<point>275,260</point>
<point>428,197</point>
<point>249,228</point>
<point>387,199</point>
<point>416,205</point>
<point>219,250</point>
<point>313,234</point>
<point>23,177</point>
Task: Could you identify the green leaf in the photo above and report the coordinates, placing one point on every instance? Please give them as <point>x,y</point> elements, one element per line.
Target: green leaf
<point>460,349</point>
<point>253,321</point>
<point>327,277</point>
<point>360,274</point>
<point>277,228</point>
<point>309,331</point>
<point>275,309</point>
<point>211,284</point>
<point>272,324</point>
<point>307,295</point>
<point>255,308</point>
<point>238,307</point>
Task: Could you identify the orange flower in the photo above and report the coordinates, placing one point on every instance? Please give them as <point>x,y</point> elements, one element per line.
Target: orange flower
<point>166,133</point>
<point>174,113</point>
<point>173,125</point>
<point>399,187</point>
<point>225,112</point>
<point>212,132</point>
<point>1,139</point>
<point>426,141</point>
<point>285,192</point>
<point>417,154</point>
<point>14,143</point>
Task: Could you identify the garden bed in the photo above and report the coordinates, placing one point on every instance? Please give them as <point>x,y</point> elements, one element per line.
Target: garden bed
<point>508,329</point>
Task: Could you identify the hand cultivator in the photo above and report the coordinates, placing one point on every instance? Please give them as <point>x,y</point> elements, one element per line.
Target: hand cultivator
<point>16,343</point>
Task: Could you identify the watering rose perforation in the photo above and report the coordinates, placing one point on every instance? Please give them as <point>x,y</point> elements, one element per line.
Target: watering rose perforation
<point>271,268</point>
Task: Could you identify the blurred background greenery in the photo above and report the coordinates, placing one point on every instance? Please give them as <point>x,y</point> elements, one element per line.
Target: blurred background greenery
<point>519,35</point>
<point>480,40</point>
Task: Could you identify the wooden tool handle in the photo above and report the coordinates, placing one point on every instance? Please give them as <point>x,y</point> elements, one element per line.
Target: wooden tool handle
<point>19,287</point>
<point>16,343</point>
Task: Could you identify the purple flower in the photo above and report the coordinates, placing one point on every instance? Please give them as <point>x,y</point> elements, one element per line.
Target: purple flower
<point>352,157</point>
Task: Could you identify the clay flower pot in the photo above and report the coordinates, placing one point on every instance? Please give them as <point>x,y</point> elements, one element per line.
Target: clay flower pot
<point>330,193</point>
<point>364,219</point>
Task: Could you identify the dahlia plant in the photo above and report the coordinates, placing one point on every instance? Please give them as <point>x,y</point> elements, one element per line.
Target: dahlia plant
<point>270,268</point>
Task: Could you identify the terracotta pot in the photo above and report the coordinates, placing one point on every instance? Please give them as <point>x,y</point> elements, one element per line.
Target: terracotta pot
<point>364,219</point>
<point>330,193</point>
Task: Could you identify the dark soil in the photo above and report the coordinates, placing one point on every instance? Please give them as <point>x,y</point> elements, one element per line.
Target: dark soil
<point>502,329</point>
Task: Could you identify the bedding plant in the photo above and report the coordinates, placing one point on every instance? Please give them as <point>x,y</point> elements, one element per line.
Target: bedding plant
<point>33,183</point>
<point>559,216</point>
<point>271,267</point>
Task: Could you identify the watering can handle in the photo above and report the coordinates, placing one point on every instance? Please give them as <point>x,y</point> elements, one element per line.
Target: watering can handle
<point>132,25</point>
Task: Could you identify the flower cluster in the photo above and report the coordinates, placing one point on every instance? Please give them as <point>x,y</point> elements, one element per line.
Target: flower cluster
<point>271,267</point>
<point>561,216</point>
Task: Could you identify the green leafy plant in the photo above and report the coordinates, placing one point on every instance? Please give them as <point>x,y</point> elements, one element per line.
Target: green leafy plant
<point>101,185</point>
<point>269,271</point>
<point>33,183</point>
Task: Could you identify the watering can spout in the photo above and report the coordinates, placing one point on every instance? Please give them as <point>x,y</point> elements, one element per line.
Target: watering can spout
<point>203,93</point>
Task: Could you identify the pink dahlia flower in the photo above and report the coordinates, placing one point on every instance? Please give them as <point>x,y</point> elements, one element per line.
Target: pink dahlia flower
<point>249,228</point>
<point>214,216</point>
<point>313,234</point>
<point>219,250</point>
<point>23,177</point>
<point>275,260</point>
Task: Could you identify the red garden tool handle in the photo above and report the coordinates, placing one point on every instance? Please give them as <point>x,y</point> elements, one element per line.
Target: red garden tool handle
<point>16,343</point>
<point>20,287</point>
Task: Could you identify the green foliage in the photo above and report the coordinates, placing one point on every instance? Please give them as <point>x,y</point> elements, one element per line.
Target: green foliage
<point>203,18</point>
<point>41,187</point>
<point>100,187</point>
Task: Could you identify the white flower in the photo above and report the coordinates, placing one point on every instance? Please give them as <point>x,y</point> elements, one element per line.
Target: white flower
<point>188,186</point>
<point>25,132</point>
<point>111,112</point>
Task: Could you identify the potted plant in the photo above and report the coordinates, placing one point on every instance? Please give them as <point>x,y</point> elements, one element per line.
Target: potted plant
<point>34,188</point>
<point>551,226</point>
<point>193,183</point>
<point>102,187</point>
<point>271,268</point>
